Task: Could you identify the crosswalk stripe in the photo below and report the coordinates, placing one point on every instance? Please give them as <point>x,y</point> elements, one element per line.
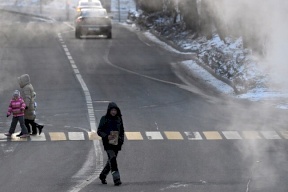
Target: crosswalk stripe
<point>57,136</point>
<point>93,136</point>
<point>3,137</point>
<point>18,139</point>
<point>173,135</point>
<point>212,135</point>
<point>76,136</point>
<point>12,138</point>
<point>270,135</point>
<point>284,134</point>
<point>231,135</point>
<point>251,135</point>
<point>133,135</point>
<point>154,135</point>
<point>193,135</point>
<point>41,137</point>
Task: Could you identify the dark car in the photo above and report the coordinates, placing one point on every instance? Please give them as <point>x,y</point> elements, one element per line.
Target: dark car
<point>93,22</point>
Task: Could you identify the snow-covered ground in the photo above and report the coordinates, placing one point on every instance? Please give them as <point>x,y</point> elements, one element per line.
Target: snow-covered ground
<point>234,48</point>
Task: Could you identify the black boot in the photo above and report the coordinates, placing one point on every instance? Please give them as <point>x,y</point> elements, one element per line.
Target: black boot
<point>103,179</point>
<point>117,182</point>
<point>40,127</point>
<point>19,134</point>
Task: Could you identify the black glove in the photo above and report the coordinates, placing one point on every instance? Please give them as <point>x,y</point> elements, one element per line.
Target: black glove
<point>26,107</point>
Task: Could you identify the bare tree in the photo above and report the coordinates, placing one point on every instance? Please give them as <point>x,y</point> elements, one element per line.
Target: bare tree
<point>189,12</point>
<point>170,7</point>
<point>206,19</point>
<point>150,5</point>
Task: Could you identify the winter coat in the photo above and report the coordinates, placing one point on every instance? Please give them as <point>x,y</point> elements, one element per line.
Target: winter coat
<point>28,96</point>
<point>109,123</point>
<point>16,107</point>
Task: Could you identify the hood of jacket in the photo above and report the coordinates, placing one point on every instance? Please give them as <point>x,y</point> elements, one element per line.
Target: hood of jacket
<point>24,80</point>
<point>113,105</point>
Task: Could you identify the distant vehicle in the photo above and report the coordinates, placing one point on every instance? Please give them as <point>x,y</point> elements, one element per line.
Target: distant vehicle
<point>84,4</point>
<point>93,22</point>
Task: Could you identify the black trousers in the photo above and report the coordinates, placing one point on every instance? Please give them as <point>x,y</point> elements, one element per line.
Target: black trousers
<point>111,165</point>
<point>33,124</point>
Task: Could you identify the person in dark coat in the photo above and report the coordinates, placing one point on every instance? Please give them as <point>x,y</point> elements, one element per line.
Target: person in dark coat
<point>111,130</point>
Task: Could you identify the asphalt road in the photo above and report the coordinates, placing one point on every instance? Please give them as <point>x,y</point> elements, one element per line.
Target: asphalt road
<point>137,75</point>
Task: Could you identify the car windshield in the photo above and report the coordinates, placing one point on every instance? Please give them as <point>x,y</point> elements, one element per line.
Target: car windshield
<point>84,4</point>
<point>98,13</point>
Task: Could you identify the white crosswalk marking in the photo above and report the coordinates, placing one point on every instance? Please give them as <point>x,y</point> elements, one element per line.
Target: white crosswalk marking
<point>270,135</point>
<point>41,137</point>
<point>284,134</point>
<point>76,136</point>
<point>154,135</point>
<point>3,137</point>
<point>231,135</point>
<point>193,135</point>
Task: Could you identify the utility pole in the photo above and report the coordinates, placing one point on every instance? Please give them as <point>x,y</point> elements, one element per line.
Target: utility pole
<point>119,13</point>
<point>40,4</point>
<point>67,9</point>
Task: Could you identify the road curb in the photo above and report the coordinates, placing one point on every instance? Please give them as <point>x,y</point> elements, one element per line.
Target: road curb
<point>197,60</point>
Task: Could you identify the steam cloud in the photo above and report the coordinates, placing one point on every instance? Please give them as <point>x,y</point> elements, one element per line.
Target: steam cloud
<point>264,26</point>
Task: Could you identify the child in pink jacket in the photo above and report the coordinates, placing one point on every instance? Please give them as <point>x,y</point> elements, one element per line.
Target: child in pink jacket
<point>17,107</point>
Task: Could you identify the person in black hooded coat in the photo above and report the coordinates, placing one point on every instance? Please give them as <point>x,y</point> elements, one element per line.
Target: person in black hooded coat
<point>109,123</point>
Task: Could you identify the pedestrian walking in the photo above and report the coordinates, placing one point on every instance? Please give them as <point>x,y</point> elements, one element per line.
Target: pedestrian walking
<point>29,99</point>
<point>30,123</point>
<point>111,130</point>
<point>17,107</point>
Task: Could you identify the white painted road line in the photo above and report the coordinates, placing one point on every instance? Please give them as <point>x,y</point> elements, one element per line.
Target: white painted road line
<point>76,136</point>
<point>231,135</point>
<point>193,135</point>
<point>41,137</point>
<point>154,135</point>
<point>270,135</point>
<point>92,121</point>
